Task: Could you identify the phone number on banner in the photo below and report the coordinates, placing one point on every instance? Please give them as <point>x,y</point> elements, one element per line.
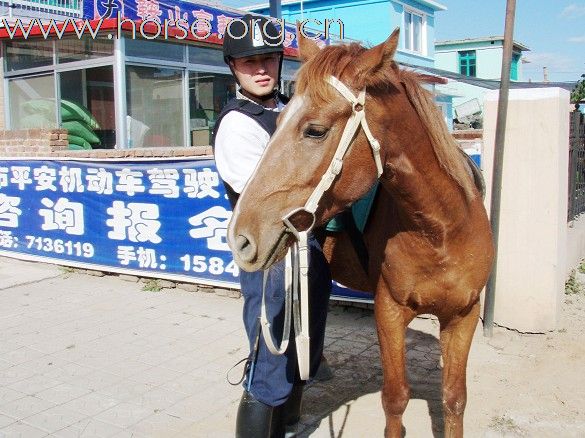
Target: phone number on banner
<point>58,246</point>
<point>213,265</point>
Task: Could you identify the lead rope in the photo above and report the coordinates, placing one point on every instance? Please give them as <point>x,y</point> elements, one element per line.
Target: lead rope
<point>297,258</point>
<point>301,316</point>
<point>296,296</point>
<point>264,323</point>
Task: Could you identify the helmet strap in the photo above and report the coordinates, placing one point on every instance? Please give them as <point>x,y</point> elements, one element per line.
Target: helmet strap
<point>262,100</point>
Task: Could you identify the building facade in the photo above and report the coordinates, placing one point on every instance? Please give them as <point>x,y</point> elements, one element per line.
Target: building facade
<point>165,91</point>
<point>141,88</point>
<point>371,21</point>
<point>479,58</point>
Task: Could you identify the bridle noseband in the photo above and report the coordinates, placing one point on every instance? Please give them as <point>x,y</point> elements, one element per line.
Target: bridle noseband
<point>297,278</point>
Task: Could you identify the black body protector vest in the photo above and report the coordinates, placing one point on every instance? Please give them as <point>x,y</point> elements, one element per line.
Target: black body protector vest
<point>265,118</point>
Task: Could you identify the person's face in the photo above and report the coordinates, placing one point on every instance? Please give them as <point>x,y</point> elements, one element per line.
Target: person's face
<point>257,74</point>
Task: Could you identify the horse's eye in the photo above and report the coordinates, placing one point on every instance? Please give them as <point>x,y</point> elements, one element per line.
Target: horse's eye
<point>314,131</point>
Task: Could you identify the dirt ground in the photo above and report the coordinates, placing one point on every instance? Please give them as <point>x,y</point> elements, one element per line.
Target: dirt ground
<point>519,385</point>
<point>153,364</point>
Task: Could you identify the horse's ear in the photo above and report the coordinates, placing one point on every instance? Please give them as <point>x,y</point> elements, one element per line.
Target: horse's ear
<point>377,60</point>
<point>308,48</point>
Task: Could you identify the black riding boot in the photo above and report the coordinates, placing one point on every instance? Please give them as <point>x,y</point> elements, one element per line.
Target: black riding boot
<point>254,418</point>
<point>286,416</point>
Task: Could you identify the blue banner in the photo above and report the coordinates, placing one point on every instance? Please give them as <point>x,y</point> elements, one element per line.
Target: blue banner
<point>156,218</point>
<point>152,217</point>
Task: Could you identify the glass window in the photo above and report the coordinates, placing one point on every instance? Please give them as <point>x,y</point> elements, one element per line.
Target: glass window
<point>155,106</point>
<point>72,86</point>
<point>417,33</point>
<point>74,49</point>
<point>407,30</point>
<point>90,90</point>
<point>413,32</point>
<point>28,54</point>
<point>203,55</point>
<point>208,94</point>
<point>32,102</point>
<point>467,63</point>
<point>289,68</point>
<point>142,48</point>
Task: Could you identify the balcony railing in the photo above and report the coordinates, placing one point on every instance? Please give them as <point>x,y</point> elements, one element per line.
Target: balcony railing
<point>41,8</point>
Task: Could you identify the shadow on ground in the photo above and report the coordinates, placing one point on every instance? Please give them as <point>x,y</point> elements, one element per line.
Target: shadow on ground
<point>353,354</point>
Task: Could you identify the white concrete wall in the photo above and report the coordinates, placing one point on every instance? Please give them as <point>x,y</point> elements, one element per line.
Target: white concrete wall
<point>447,60</point>
<point>532,255</point>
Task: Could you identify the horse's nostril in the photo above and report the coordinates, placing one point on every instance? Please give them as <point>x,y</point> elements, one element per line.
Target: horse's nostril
<point>246,248</point>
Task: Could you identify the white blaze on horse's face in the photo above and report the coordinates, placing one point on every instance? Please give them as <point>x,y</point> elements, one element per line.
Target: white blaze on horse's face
<point>293,107</point>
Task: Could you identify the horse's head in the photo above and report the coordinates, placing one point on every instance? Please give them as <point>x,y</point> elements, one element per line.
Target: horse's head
<point>303,148</point>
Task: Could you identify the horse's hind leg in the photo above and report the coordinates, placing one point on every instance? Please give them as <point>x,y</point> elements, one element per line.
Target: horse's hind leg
<point>391,321</point>
<point>456,336</point>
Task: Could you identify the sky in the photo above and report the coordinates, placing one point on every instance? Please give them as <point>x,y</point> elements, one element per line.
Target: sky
<point>553,30</point>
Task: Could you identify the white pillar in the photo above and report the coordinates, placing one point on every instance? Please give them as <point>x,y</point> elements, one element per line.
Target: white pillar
<point>120,108</point>
<point>532,258</point>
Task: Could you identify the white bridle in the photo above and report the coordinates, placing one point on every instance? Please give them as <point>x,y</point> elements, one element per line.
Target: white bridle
<point>299,254</point>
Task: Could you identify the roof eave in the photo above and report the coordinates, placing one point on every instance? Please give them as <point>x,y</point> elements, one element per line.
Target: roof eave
<point>517,45</point>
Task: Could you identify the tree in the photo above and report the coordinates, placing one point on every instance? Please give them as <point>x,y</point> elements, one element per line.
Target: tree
<point>578,93</point>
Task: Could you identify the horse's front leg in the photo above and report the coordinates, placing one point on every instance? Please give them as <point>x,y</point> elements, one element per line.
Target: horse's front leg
<point>391,321</point>
<point>456,337</point>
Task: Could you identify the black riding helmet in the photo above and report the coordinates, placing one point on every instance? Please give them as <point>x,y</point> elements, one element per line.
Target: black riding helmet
<point>252,35</point>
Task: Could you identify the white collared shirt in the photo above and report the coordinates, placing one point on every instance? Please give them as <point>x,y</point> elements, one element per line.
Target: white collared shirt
<point>239,144</point>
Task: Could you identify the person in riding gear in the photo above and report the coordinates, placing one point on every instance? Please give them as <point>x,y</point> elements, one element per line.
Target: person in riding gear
<point>270,404</point>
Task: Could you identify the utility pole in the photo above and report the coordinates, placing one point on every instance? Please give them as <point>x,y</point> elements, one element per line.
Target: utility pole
<point>490,293</point>
<point>275,9</point>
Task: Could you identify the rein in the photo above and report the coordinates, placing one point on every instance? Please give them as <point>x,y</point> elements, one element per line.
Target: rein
<point>297,258</point>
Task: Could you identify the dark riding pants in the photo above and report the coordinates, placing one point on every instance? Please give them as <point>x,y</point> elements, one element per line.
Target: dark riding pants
<point>271,378</point>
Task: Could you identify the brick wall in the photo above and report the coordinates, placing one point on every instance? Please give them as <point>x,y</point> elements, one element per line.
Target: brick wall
<point>32,142</point>
<point>468,134</point>
<point>53,143</point>
<point>195,151</point>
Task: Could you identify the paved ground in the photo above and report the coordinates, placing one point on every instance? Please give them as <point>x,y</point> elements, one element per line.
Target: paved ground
<point>86,356</point>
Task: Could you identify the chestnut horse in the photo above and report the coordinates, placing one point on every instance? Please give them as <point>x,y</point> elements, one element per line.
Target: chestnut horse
<point>428,237</point>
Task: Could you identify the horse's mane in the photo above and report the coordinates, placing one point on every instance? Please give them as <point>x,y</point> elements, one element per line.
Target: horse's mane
<point>334,60</point>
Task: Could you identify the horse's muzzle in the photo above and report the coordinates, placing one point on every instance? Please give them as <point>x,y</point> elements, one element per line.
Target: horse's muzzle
<point>245,248</point>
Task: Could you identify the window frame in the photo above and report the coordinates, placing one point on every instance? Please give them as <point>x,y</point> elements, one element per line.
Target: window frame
<point>409,36</point>
<point>465,55</point>
<point>56,68</point>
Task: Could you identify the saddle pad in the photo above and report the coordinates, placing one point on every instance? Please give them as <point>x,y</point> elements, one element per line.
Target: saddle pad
<point>360,211</point>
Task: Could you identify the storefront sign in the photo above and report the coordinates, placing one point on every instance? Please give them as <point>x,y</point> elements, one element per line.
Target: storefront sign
<point>182,20</point>
<point>159,218</point>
